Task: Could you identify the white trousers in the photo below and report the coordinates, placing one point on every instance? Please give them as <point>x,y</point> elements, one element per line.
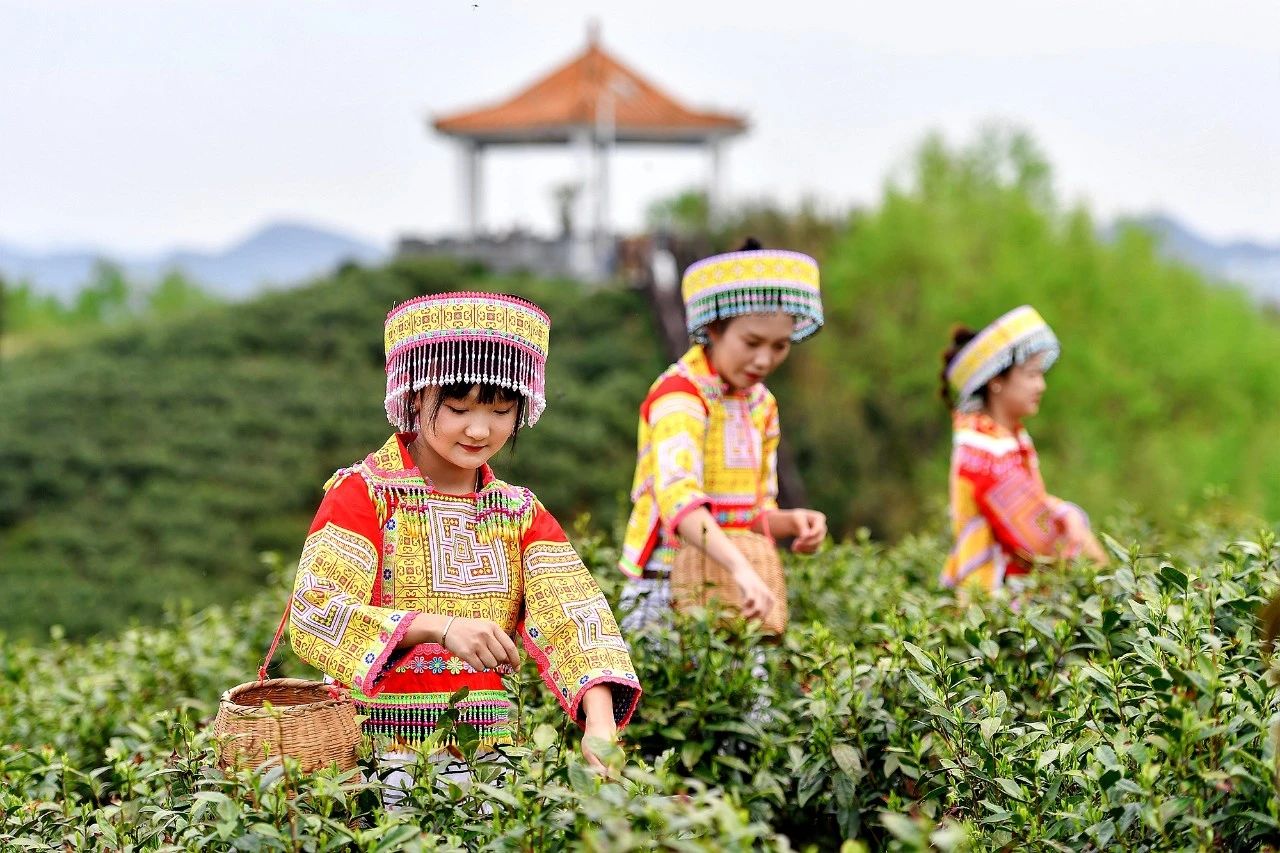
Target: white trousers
<point>396,771</point>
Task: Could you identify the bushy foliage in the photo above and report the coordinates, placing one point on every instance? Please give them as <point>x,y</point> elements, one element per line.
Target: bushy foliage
<point>155,461</point>
<point>1128,708</point>
<point>808,227</point>
<point>1167,385</point>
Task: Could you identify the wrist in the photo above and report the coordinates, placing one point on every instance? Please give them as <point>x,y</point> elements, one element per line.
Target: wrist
<point>597,705</point>
<point>426,628</point>
<point>600,721</point>
<point>771,517</point>
<point>605,729</point>
<point>444,632</point>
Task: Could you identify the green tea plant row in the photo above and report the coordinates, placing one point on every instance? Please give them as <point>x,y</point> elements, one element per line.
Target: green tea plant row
<point>1128,708</point>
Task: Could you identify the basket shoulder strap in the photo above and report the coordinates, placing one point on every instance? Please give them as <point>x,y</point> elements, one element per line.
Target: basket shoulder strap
<point>374,596</point>
<point>275,641</point>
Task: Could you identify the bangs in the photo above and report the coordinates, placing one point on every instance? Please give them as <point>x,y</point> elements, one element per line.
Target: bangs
<point>488,392</point>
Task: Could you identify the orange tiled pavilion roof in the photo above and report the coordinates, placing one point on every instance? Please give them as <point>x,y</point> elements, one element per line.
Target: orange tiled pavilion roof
<point>569,99</point>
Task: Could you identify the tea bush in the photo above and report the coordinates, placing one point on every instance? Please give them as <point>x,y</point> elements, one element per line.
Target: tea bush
<point>1127,707</point>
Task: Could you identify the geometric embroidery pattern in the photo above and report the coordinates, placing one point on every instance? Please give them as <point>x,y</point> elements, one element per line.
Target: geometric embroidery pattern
<point>460,562</point>
<point>698,443</point>
<point>321,608</point>
<point>332,551</point>
<point>742,444</point>
<point>1001,515</point>
<point>565,612</point>
<point>551,558</point>
<point>679,459</point>
<point>436,563</point>
<point>333,628</point>
<point>596,629</point>
<point>677,404</point>
<point>1019,502</point>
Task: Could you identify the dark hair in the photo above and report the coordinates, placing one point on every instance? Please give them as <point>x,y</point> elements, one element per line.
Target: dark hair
<point>750,244</point>
<point>960,335</point>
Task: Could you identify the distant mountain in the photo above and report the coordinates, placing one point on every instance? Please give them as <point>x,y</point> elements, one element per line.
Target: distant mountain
<point>1254,266</point>
<point>278,255</point>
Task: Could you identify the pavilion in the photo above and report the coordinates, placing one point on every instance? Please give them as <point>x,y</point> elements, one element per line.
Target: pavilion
<point>589,105</point>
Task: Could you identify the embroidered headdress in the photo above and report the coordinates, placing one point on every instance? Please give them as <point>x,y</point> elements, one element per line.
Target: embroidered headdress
<point>465,337</point>
<point>1012,339</point>
<point>760,281</point>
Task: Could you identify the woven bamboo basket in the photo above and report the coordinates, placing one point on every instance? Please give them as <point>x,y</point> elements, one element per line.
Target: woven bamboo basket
<point>696,579</point>
<point>309,721</point>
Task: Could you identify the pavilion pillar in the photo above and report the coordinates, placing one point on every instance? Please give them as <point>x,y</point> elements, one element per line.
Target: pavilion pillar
<point>471,155</point>
<point>601,199</point>
<point>715,177</point>
<point>581,254</point>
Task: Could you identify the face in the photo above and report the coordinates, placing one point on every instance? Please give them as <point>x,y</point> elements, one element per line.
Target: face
<point>747,349</point>
<point>466,433</point>
<point>1018,392</point>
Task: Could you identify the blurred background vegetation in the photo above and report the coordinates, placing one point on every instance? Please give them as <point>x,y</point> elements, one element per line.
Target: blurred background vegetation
<point>153,444</point>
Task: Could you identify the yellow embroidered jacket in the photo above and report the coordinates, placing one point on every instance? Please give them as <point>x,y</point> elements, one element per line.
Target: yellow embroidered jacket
<point>699,444</point>
<point>384,546</point>
<point>1001,516</point>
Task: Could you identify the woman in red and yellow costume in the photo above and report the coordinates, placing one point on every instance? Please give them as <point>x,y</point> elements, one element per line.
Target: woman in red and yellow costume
<point>707,442</point>
<point>1002,517</point>
<point>422,565</point>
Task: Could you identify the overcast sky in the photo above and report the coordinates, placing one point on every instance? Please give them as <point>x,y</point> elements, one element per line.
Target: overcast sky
<point>135,125</point>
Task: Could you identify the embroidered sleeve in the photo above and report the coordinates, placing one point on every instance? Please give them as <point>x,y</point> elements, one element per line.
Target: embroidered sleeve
<point>678,420</point>
<point>568,627</point>
<point>332,625</point>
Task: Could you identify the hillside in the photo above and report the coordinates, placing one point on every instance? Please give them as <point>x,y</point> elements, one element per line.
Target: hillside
<point>1255,266</point>
<point>158,461</point>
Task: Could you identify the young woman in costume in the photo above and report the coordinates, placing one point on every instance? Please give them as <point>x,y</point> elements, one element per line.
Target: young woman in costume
<point>421,564</point>
<point>708,432</point>
<point>1001,516</point>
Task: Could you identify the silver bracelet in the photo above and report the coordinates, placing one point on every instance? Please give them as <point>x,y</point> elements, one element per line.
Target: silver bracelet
<point>445,632</point>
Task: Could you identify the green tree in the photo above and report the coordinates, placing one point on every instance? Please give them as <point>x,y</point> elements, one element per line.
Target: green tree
<point>175,294</point>
<point>106,299</point>
<point>4,315</point>
<point>687,213</point>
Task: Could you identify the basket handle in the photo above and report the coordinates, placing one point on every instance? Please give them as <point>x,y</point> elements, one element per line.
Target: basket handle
<point>275,641</point>
<point>284,620</point>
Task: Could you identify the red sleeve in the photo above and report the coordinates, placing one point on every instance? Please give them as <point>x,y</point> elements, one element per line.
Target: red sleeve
<point>348,504</point>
